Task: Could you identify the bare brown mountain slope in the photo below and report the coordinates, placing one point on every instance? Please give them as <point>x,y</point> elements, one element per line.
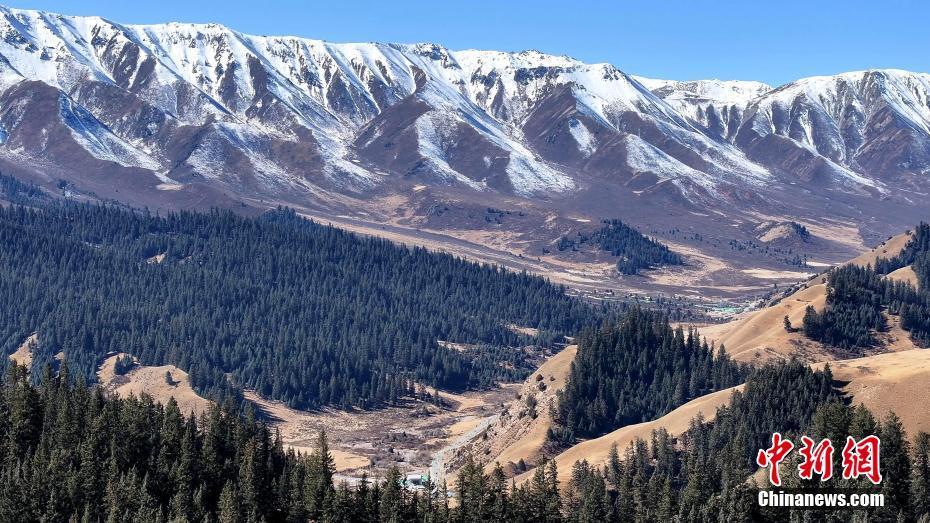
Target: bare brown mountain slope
<point>153,381</point>
<point>596,451</point>
<point>887,249</point>
<point>519,434</point>
<point>760,335</point>
<point>895,381</point>
<point>23,355</point>
<point>905,274</point>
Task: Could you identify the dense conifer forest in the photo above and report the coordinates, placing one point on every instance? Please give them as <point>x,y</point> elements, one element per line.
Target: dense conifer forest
<point>17,192</point>
<point>301,312</point>
<point>70,453</point>
<point>316,316</point>
<point>915,252</point>
<point>635,369</point>
<point>636,251</point>
<point>857,298</point>
<point>854,309</point>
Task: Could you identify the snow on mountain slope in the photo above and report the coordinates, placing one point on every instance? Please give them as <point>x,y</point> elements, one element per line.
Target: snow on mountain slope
<point>680,94</point>
<point>442,91</point>
<point>99,141</point>
<point>511,86</point>
<point>872,123</point>
<point>196,73</point>
<point>65,51</point>
<point>293,117</point>
<point>587,143</point>
<point>716,105</point>
<point>508,85</point>
<point>644,157</point>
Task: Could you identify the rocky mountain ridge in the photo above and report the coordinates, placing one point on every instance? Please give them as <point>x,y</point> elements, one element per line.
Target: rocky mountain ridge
<point>197,115</point>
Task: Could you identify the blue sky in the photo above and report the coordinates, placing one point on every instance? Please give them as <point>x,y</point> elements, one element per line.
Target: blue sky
<point>771,41</point>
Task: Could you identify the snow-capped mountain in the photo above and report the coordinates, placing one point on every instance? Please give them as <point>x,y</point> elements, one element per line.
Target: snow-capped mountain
<point>715,104</point>
<point>866,126</point>
<point>200,112</point>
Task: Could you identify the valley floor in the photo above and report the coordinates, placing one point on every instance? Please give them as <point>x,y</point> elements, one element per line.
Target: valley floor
<point>412,436</point>
<point>712,279</point>
<point>370,442</point>
<point>498,426</point>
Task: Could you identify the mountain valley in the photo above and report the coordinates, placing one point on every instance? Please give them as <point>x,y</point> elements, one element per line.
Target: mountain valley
<point>271,278</point>
<point>494,155</point>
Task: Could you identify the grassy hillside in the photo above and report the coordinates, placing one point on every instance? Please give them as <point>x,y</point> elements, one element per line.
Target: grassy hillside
<point>761,335</point>
<point>859,297</point>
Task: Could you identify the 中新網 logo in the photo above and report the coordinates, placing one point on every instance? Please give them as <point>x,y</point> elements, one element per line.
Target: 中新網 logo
<point>860,458</point>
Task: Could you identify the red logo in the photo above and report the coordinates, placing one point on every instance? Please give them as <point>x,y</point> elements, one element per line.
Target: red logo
<point>817,459</point>
<point>860,458</point>
<point>774,455</point>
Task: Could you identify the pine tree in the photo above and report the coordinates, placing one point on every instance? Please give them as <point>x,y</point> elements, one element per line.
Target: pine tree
<point>319,483</point>
<point>920,482</point>
<point>862,423</point>
<point>229,509</point>
<point>614,467</point>
<point>895,465</point>
<point>392,501</point>
<point>498,504</point>
<point>553,502</point>
<point>472,489</point>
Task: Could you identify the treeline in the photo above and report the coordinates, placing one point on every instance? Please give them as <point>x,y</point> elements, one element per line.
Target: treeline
<point>704,474</point>
<point>300,312</point>
<point>635,369</point>
<point>916,251</point>
<point>70,453</point>
<point>854,309</point>
<point>857,298</point>
<point>701,475</point>
<point>14,191</point>
<point>637,252</point>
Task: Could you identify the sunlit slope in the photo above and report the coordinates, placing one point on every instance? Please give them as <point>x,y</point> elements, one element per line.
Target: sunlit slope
<point>596,451</point>
<point>761,335</point>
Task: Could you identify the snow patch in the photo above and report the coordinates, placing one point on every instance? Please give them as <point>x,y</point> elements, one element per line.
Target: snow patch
<point>98,140</point>
<point>642,156</point>
<point>587,144</point>
<point>433,131</point>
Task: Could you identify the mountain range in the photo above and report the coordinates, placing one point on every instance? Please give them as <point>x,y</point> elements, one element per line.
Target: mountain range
<point>194,115</point>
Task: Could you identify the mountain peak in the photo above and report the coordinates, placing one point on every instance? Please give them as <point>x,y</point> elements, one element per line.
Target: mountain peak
<point>292,118</point>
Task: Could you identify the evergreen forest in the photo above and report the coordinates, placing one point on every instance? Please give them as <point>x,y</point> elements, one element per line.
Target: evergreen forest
<point>636,251</point>
<point>70,453</point>
<point>300,312</point>
<point>634,369</point>
<point>858,299</point>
